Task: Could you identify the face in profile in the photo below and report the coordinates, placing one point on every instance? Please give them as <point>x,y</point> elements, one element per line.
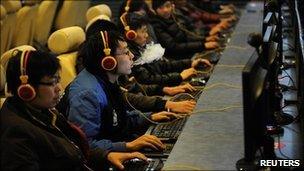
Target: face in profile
<point>165,10</point>
<point>47,92</point>
<point>124,59</point>
<point>142,36</point>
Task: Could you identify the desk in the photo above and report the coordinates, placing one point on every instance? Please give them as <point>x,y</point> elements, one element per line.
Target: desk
<point>214,140</point>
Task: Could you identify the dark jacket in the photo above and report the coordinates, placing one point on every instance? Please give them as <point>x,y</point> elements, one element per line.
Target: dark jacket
<point>30,142</point>
<point>178,43</point>
<point>161,72</point>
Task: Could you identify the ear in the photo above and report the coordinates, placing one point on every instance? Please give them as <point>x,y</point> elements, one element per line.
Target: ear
<point>173,6</point>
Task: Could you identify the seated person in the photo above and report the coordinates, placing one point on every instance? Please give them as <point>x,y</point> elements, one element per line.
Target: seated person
<point>140,102</point>
<point>96,102</point>
<point>148,66</point>
<point>207,6</point>
<point>140,7</point>
<point>213,22</point>
<point>34,136</point>
<point>177,42</point>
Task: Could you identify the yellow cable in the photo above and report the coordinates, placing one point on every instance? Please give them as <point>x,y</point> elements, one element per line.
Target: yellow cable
<point>222,84</point>
<point>231,66</point>
<point>181,166</point>
<point>216,109</point>
<point>237,47</point>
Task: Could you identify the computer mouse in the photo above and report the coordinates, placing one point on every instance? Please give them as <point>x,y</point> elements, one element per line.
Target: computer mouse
<point>197,82</point>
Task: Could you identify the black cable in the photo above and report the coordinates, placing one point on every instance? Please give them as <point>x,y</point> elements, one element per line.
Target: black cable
<point>295,87</point>
<point>279,143</point>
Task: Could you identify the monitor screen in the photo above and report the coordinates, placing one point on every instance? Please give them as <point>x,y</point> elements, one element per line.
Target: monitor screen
<point>253,78</point>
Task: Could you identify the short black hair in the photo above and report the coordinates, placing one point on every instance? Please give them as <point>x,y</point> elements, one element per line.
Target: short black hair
<point>92,53</point>
<point>39,65</point>
<point>158,3</point>
<point>135,5</point>
<point>99,25</point>
<point>136,21</point>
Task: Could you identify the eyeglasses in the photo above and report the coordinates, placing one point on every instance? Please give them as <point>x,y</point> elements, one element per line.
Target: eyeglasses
<point>128,52</point>
<point>53,83</point>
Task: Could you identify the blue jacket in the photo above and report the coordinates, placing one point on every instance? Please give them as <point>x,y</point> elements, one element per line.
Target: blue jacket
<point>94,106</point>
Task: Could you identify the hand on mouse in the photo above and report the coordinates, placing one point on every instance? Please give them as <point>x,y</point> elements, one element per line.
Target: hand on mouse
<point>117,158</point>
<point>197,62</point>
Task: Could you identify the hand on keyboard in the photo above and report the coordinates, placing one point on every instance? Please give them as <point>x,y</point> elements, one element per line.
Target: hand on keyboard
<point>145,141</point>
<point>187,73</point>
<point>178,89</point>
<point>185,106</point>
<point>163,116</point>
<point>118,158</point>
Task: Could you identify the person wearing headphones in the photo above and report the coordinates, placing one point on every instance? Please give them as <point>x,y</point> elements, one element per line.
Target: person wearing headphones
<point>34,136</point>
<point>177,42</point>
<point>96,101</point>
<point>143,97</point>
<point>149,68</point>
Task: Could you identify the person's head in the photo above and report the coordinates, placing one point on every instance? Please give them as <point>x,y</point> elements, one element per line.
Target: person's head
<point>180,3</point>
<point>99,25</point>
<point>93,54</point>
<point>137,6</point>
<point>163,8</point>
<point>42,89</point>
<point>138,23</point>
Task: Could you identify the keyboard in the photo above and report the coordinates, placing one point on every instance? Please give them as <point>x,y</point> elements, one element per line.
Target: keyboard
<point>140,165</point>
<point>168,131</point>
<point>196,94</point>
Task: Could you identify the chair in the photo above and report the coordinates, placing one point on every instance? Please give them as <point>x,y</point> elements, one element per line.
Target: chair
<point>44,20</point>
<point>8,24</point>
<point>65,43</point>
<point>72,13</point>
<point>24,32</point>
<point>97,10</point>
<point>99,17</point>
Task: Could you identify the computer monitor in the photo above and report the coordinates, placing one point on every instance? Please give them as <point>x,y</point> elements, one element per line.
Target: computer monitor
<point>254,114</point>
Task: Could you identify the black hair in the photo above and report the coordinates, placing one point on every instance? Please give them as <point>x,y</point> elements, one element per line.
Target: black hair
<point>136,21</point>
<point>99,25</point>
<point>92,53</point>
<point>39,65</point>
<point>135,5</point>
<point>157,3</point>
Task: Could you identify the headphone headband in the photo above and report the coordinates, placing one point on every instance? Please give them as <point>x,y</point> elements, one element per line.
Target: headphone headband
<point>105,40</point>
<point>108,62</point>
<point>127,7</point>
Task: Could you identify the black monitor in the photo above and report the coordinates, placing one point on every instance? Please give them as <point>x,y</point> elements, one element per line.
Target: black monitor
<point>270,46</point>
<point>254,105</point>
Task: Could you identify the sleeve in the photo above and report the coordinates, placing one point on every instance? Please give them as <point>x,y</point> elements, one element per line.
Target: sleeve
<point>144,76</point>
<point>17,150</point>
<point>151,89</point>
<point>174,47</point>
<point>144,103</point>
<point>85,111</point>
<point>173,65</point>
<point>98,158</point>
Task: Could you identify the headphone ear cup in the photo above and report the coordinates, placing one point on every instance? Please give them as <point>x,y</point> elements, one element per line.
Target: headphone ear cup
<point>108,63</point>
<point>131,35</point>
<point>26,92</point>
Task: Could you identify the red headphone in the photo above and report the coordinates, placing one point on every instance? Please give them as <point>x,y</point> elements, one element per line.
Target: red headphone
<point>130,34</point>
<point>25,91</point>
<point>108,63</point>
